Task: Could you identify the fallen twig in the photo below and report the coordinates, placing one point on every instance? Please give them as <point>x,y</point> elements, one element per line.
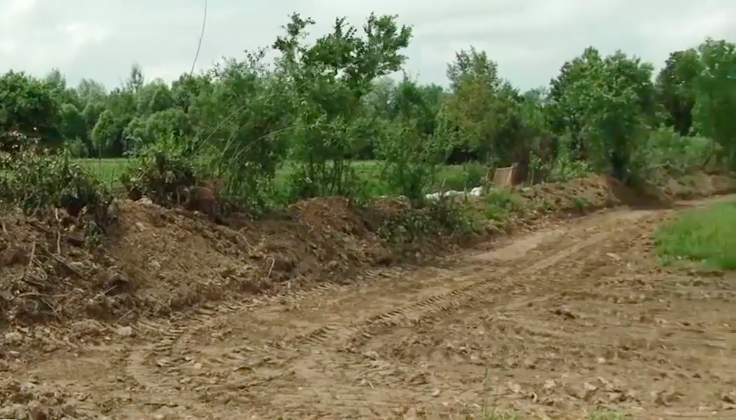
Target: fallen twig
<point>273,262</point>
<point>39,226</point>
<point>64,263</point>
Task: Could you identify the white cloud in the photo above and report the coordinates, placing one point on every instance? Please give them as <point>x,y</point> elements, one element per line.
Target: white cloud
<point>15,12</point>
<point>530,39</point>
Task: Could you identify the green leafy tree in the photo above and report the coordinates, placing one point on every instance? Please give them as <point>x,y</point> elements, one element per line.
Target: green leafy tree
<point>72,124</point>
<point>677,90</point>
<point>716,96</point>
<point>472,105</point>
<point>27,106</point>
<point>238,120</point>
<point>605,106</point>
<point>413,145</point>
<point>154,97</point>
<point>106,136</point>
<point>328,80</point>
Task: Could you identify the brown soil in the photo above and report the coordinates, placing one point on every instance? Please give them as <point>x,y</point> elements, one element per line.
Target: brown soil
<point>158,262</point>
<point>554,323</point>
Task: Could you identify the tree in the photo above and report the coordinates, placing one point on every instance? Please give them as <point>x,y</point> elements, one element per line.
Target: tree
<point>135,81</point>
<point>328,81</point>
<point>154,97</point>
<point>565,115</point>
<point>716,96</point>
<point>72,124</point>
<point>676,88</point>
<point>106,136</point>
<point>27,106</point>
<point>471,105</point>
<point>604,106</point>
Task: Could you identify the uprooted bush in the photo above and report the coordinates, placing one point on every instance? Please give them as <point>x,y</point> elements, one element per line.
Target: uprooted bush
<point>38,180</point>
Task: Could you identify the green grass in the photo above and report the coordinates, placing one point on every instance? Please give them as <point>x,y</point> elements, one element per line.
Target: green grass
<point>456,177</point>
<point>108,170</point>
<point>706,236</point>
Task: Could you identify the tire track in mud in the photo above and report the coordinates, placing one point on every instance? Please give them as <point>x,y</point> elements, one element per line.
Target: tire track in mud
<point>442,302</point>
<point>467,271</point>
<point>331,374</point>
<point>171,346</point>
<point>320,375</point>
<point>177,339</point>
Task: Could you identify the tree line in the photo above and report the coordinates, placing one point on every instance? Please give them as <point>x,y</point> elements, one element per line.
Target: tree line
<point>321,105</point>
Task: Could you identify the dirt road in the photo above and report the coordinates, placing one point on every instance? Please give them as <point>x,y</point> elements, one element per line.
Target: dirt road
<point>551,324</point>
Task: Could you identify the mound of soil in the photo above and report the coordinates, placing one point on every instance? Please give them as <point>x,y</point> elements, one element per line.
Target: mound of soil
<point>596,192</point>
<point>156,261</point>
<point>44,265</point>
<point>599,192</point>
<point>700,185</point>
<point>177,260</point>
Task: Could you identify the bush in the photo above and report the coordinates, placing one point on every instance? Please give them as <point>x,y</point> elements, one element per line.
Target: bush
<point>667,153</point>
<point>498,203</point>
<point>159,173</point>
<point>37,180</point>
<point>443,217</point>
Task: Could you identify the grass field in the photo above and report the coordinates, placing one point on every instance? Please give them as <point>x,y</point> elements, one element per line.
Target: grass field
<point>704,235</point>
<point>455,177</point>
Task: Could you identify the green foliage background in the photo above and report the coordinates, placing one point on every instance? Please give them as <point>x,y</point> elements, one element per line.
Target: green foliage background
<point>330,117</point>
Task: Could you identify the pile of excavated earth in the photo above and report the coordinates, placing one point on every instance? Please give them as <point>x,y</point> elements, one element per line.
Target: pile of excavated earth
<point>312,314</point>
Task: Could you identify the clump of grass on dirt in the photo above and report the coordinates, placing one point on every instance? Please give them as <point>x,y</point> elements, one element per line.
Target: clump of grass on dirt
<point>705,235</point>
<point>605,415</point>
<point>498,203</point>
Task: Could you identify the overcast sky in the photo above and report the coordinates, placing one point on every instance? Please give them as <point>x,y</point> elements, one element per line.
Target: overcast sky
<point>530,39</point>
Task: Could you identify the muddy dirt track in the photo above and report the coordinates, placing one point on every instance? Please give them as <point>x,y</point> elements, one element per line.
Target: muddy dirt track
<point>550,324</point>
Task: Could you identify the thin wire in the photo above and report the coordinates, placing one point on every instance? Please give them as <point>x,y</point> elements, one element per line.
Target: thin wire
<point>201,36</point>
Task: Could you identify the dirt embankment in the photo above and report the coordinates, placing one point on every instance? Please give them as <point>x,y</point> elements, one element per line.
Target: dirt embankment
<point>157,261</point>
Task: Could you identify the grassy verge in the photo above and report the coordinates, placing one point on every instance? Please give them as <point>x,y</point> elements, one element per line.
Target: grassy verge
<point>706,236</point>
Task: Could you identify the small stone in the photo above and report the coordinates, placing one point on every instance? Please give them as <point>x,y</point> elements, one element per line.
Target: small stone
<point>436,393</point>
<point>69,410</point>
<point>126,331</point>
<point>13,338</point>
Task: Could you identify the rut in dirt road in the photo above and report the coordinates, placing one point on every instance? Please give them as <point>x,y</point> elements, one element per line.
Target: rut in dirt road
<point>552,323</point>
<point>310,352</point>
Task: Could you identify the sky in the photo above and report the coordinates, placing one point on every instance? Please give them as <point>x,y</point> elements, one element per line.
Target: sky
<point>529,39</point>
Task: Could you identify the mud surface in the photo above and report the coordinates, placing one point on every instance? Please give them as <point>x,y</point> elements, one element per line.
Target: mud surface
<point>550,324</point>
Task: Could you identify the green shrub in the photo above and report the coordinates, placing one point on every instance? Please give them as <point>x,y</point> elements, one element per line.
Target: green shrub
<point>581,203</point>
<point>37,180</point>
<point>159,173</point>
<point>443,217</point>
<point>498,203</point>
